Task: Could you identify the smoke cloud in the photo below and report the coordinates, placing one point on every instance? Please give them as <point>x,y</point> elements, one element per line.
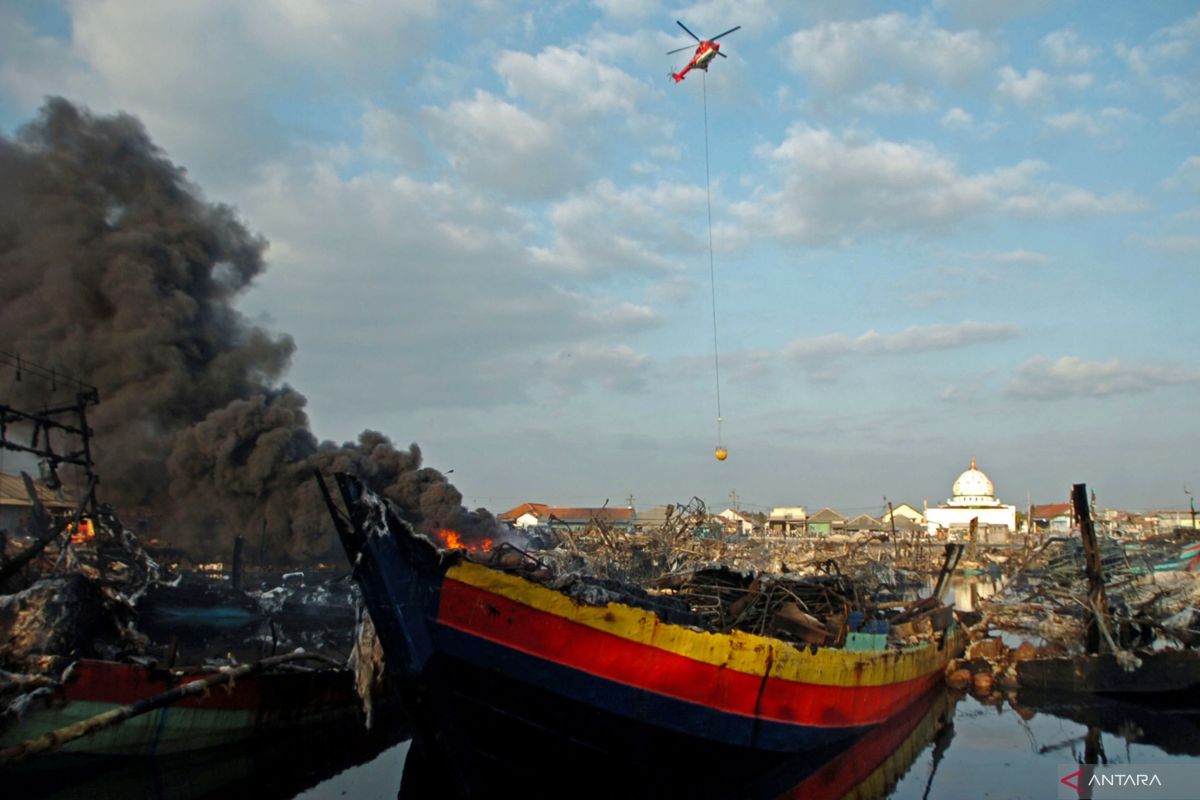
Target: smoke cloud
<point>116,271</point>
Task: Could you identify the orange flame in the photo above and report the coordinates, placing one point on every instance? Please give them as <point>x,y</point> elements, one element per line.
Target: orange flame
<point>453,540</point>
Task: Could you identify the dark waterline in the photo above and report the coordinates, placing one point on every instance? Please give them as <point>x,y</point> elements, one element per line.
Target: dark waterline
<point>1010,748</point>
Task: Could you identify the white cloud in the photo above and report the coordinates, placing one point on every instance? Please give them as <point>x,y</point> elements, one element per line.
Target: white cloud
<point>710,17</point>
<point>200,76</point>
<point>1175,42</point>
<point>603,230</point>
<point>1066,201</point>
<point>33,66</point>
<point>570,84</point>
<point>1178,245</point>
<point>893,98</point>
<point>1069,376</point>
<point>628,316</point>
<point>835,188</point>
<point>445,296</point>
<point>1187,176</point>
<point>844,56</point>
<point>960,394</point>
<point>616,367</point>
<point>496,145</point>
<point>1019,258</point>
<point>962,121</point>
<point>342,35</point>
<point>1165,50</point>
<point>1066,50</point>
<point>1079,81</point>
<point>1032,87</point>
<point>927,298</point>
<point>392,137</point>
<point>1185,113</point>
<point>1036,87</point>
<point>815,353</point>
<point>1134,58</point>
<point>626,9</point>
<point>957,119</point>
<point>1087,123</point>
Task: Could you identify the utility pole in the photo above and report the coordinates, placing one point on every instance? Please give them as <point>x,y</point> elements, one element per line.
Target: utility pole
<point>892,520</point>
<point>1098,626</point>
<point>733,498</point>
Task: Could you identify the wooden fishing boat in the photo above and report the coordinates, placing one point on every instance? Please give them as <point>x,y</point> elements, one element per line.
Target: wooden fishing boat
<point>1168,672</point>
<point>267,704</point>
<point>519,658</point>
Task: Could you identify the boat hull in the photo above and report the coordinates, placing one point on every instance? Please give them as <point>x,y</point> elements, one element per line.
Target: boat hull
<point>271,704</point>
<point>458,629</point>
<point>1163,673</point>
<point>734,689</point>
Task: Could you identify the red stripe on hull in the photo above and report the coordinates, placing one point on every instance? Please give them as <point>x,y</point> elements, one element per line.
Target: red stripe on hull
<point>605,655</point>
<point>122,684</point>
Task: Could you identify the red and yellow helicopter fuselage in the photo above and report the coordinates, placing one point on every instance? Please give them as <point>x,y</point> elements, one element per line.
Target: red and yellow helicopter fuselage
<point>706,51</point>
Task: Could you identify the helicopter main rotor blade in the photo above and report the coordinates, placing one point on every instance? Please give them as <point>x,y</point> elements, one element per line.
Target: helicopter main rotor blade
<point>719,35</point>
<point>689,33</point>
<point>680,50</point>
<point>722,55</point>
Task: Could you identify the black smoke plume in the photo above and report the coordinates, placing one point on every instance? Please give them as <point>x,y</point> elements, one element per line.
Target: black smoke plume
<point>115,270</point>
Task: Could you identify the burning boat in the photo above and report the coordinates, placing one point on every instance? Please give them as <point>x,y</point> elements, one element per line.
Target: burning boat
<point>617,669</point>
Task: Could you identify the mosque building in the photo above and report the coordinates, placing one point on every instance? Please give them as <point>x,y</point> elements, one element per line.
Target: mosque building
<point>974,496</point>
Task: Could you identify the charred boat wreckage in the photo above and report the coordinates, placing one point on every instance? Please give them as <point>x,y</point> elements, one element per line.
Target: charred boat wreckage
<point>1091,620</point>
<point>78,675</point>
<point>81,677</point>
<point>498,648</point>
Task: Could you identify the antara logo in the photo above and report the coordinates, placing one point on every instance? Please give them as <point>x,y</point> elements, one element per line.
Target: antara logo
<point>1113,779</point>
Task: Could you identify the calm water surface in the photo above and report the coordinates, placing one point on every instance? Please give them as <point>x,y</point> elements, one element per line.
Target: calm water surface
<point>948,745</point>
<point>962,748</point>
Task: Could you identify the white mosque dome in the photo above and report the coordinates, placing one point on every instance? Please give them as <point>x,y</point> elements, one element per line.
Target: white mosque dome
<point>973,488</point>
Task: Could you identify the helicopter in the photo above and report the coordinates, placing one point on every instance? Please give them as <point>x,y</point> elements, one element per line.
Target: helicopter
<point>707,50</point>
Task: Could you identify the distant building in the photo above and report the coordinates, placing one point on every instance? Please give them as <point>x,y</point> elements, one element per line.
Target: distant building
<point>825,522</point>
<point>652,518</point>
<point>974,497</point>
<point>15,508</point>
<point>865,523</point>
<point>580,518</point>
<point>736,522</point>
<point>1168,519</point>
<point>905,525</point>
<point>528,515</point>
<point>906,511</point>
<point>1053,517</point>
<point>787,520</point>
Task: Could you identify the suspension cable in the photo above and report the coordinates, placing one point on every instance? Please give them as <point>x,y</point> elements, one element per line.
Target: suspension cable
<point>712,275</point>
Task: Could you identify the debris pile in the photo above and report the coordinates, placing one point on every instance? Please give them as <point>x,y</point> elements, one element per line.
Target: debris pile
<point>1046,600</point>
<point>990,666</point>
<point>68,616</point>
<point>688,575</point>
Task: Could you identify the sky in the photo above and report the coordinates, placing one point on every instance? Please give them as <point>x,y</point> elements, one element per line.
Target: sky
<point>939,231</point>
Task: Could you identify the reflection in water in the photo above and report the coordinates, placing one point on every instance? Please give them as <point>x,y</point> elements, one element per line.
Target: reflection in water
<point>965,592</point>
<point>1171,728</point>
<point>1013,747</point>
<point>866,768</point>
<point>264,771</point>
<point>943,746</point>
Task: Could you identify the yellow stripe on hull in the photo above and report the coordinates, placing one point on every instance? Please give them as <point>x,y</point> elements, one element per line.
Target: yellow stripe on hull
<point>736,650</point>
